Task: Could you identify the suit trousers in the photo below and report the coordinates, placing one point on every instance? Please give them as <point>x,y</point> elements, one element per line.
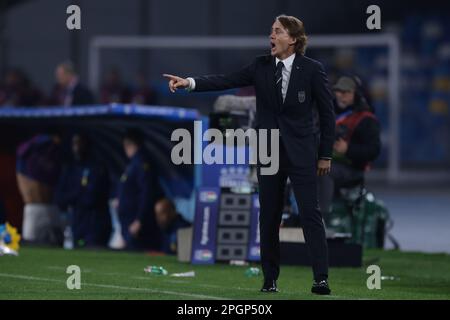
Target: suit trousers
<point>271,194</point>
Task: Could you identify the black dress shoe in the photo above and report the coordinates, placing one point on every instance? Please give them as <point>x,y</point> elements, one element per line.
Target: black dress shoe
<point>269,286</point>
<point>321,287</point>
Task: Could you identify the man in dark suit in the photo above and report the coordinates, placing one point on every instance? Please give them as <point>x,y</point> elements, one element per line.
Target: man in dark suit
<point>289,89</point>
<point>138,191</point>
<point>69,91</point>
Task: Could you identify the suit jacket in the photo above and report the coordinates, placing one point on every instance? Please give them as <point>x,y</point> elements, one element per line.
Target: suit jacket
<point>81,95</point>
<point>307,93</point>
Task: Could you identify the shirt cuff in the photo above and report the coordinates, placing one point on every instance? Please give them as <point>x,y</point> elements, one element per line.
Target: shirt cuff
<point>191,84</point>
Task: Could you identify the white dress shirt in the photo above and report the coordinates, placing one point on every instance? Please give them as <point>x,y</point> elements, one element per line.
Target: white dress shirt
<point>68,98</point>
<point>191,84</point>
<point>286,73</point>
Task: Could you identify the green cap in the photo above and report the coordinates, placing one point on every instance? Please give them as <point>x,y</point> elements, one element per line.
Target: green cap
<point>345,84</point>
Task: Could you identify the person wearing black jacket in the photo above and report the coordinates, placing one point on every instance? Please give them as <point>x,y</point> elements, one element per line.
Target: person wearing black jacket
<point>290,88</point>
<point>138,191</point>
<point>169,221</point>
<point>83,188</point>
<point>69,91</point>
<point>357,140</point>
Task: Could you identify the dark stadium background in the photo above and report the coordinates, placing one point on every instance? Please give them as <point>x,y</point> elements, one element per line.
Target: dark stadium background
<point>33,37</point>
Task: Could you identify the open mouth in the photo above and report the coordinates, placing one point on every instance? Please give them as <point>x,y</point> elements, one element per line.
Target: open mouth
<point>272,45</point>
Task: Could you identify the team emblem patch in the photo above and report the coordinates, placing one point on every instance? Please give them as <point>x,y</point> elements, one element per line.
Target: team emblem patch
<point>301,96</point>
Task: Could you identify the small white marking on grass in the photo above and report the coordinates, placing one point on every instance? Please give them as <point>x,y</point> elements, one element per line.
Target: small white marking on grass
<point>58,268</point>
<point>178,281</point>
<point>114,274</point>
<point>170,280</point>
<point>190,295</point>
<point>240,288</point>
<point>211,286</point>
<point>248,289</point>
<point>140,278</point>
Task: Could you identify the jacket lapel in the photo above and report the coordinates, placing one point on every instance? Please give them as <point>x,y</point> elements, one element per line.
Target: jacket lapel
<point>294,79</point>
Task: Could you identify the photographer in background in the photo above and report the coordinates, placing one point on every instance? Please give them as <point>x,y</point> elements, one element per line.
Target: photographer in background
<point>357,140</point>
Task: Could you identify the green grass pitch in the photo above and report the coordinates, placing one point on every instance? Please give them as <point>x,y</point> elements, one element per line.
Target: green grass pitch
<point>40,273</point>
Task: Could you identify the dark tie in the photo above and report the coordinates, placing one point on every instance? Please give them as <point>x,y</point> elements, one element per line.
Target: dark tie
<point>279,81</point>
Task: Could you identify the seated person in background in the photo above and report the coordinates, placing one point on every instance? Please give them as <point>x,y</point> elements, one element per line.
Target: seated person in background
<point>83,188</point>
<point>139,189</point>
<point>113,90</point>
<point>37,170</point>
<point>18,91</point>
<point>357,140</point>
<point>143,93</point>
<point>169,221</point>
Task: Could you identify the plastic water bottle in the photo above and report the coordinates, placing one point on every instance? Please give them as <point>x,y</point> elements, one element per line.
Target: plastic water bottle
<point>156,270</point>
<point>68,238</point>
<point>238,263</point>
<point>252,272</point>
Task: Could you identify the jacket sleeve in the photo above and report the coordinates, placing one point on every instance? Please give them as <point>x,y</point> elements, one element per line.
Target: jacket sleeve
<point>365,144</point>
<point>324,100</point>
<point>241,78</point>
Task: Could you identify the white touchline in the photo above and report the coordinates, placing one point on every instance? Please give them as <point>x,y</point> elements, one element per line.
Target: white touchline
<point>200,296</point>
<point>191,295</point>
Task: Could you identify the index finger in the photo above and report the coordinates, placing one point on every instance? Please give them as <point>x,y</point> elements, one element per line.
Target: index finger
<point>169,76</point>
